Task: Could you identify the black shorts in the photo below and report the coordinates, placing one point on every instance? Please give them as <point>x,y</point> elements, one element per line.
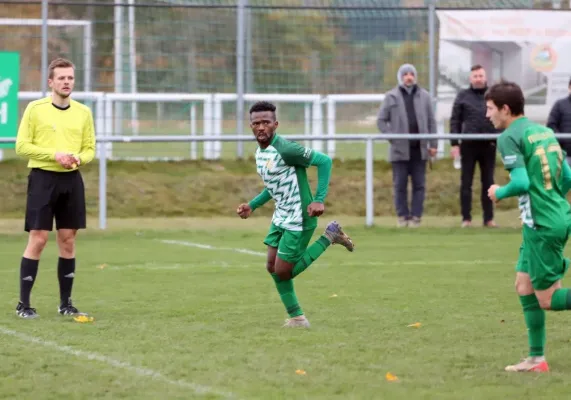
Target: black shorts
<point>55,194</point>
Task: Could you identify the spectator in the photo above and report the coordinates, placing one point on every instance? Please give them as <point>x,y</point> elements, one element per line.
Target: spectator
<point>560,121</point>
<point>469,116</point>
<point>407,109</point>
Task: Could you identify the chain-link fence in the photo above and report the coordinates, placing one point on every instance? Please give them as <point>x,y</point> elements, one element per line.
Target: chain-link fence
<point>290,47</point>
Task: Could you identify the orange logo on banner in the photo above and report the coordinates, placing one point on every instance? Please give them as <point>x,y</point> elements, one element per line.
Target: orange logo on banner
<point>543,58</point>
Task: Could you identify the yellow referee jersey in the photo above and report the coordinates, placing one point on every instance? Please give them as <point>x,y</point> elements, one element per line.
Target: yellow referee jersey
<point>45,130</point>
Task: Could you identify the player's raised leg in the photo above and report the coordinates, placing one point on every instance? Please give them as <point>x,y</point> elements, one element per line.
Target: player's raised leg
<point>333,234</point>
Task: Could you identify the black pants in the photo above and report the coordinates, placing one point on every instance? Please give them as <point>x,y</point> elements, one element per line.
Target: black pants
<point>59,195</point>
<point>483,154</point>
<point>416,169</point>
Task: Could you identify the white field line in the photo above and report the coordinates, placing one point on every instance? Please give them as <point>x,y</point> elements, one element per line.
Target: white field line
<point>143,372</point>
<point>372,263</point>
<point>208,247</point>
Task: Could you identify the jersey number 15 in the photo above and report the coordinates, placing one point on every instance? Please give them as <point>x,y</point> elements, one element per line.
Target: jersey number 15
<point>545,168</point>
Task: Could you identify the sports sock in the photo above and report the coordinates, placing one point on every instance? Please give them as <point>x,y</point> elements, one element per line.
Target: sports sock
<point>287,294</point>
<point>535,322</point>
<point>28,273</point>
<point>311,254</point>
<point>561,300</point>
<point>65,274</point>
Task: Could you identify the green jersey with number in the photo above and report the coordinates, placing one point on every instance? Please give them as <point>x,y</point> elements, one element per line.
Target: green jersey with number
<point>525,144</point>
<point>283,168</point>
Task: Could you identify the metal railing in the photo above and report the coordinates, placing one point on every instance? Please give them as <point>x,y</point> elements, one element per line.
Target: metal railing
<point>369,139</point>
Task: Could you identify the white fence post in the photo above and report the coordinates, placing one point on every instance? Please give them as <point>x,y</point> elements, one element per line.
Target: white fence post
<point>102,184</point>
<point>108,126</point>
<point>307,122</point>
<point>331,145</point>
<point>193,131</point>
<point>369,183</point>
<point>317,123</point>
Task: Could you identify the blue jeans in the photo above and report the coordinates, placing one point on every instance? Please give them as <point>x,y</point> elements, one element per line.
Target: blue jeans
<point>416,169</point>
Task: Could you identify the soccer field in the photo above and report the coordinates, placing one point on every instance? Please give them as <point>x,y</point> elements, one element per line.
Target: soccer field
<point>184,314</point>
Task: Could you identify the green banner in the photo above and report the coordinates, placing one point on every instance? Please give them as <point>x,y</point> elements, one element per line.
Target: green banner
<point>9,86</point>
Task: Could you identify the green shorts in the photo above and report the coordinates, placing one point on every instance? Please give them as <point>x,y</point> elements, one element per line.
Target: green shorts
<point>541,255</point>
<point>290,244</point>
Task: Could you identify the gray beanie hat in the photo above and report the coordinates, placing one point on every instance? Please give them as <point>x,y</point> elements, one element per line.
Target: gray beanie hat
<point>405,68</point>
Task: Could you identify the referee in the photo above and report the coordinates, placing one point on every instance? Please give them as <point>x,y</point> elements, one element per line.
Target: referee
<point>57,136</point>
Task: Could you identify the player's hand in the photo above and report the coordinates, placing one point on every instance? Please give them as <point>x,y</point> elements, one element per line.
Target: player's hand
<point>432,152</point>
<point>244,210</point>
<point>315,209</point>
<point>455,151</point>
<point>492,193</point>
<point>76,161</point>
<point>65,160</point>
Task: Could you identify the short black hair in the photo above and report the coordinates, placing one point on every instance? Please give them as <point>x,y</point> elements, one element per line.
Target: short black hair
<point>476,67</point>
<point>507,93</point>
<point>262,106</point>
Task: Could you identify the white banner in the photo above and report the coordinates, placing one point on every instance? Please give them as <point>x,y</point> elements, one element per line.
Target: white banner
<point>529,47</point>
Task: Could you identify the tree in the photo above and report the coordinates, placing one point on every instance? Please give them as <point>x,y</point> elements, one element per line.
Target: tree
<point>410,52</point>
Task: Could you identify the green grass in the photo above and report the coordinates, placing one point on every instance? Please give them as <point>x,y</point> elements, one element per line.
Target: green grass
<point>212,317</point>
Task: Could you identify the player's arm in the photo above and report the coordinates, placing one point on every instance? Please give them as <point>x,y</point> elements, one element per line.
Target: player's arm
<point>384,116</point>
<point>87,152</point>
<point>24,140</point>
<point>566,170</point>
<point>299,156</point>
<point>554,119</point>
<point>513,160</point>
<point>432,128</point>
<point>324,164</point>
<point>260,199</point>
<point>518,185</point>
<point>456,118</point>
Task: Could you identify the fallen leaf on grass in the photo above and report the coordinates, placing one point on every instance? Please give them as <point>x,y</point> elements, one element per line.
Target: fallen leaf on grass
<point>390,377</point>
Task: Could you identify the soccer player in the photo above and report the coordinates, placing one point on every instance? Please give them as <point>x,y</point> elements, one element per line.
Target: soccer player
<point>57,135</point>
<point>282,165</point>
<point>541,179</point>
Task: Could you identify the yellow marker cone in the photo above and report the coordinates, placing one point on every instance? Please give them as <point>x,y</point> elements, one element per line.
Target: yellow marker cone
<point>333,295</point>
<point>415,325</point>
<point>83,319</point>
<point>390,377</point>
<point>300,372</point>
<point>101,266</point>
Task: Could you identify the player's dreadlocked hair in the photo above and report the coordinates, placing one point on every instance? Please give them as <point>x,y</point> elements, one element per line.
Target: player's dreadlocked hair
<point>507,93</point>
<point>262,106</point>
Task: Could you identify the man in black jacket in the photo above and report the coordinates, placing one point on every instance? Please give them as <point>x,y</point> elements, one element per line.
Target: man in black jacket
<point>560,121</point>
<point>469,116</point>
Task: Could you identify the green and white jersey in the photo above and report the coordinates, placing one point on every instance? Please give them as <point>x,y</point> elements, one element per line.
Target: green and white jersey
<point>525,144</point>
<point>282,167</point>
